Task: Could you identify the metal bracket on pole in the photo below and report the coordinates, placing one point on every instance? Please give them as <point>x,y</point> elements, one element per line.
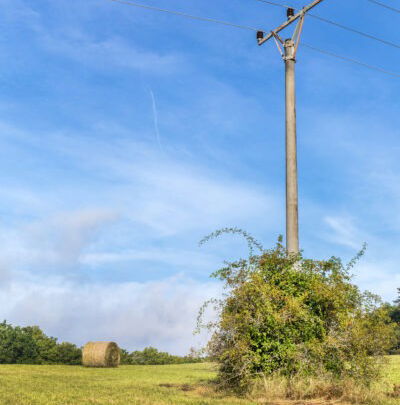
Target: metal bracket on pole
<point>297,34</point>
<point>292,43</point>
<point>278,40</point>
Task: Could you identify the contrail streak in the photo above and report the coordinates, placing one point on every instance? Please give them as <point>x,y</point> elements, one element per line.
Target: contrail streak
<point>155,119</point>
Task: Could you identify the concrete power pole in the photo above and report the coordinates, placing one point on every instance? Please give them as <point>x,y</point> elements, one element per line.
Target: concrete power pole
<point>288,50</point>
<point>292,204</point>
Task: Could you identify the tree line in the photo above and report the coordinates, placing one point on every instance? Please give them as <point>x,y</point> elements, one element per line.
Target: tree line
<point>151,356</point>
<point>30,345</point>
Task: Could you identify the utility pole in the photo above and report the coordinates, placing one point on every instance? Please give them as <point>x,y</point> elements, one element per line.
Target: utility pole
<point>288,50</point>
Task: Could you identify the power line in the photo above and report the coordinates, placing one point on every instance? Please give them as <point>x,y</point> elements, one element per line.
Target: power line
<point>357,62</point>
<point>383,41</point>
<point>344,27</point>
<point>273,3</point>
<point>396,10</point>
<point>192,17</point>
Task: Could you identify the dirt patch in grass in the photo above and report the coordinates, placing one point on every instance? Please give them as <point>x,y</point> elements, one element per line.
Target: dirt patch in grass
<point>396,392</point>
<point>182,387</point>
<point>313,402</point>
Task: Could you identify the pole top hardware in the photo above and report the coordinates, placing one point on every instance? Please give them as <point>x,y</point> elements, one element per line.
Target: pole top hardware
<point>292,16</point>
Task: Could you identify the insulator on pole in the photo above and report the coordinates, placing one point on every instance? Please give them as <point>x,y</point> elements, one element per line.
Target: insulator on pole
<point>290,13</point>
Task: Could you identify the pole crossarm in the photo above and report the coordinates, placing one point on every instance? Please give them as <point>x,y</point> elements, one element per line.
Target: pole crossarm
<point>291,20</point>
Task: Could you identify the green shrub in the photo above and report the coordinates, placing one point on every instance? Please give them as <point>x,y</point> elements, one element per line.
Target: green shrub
<point>283,315</point>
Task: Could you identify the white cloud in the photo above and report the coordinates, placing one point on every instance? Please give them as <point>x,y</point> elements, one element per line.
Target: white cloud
<point>55,241</point>
<point>160,313</point>
<point>67,234</point>
<point>381,277</point>
<point>177,257</point>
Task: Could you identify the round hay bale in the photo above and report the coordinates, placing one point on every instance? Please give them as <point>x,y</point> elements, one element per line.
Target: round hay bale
<point>101,354</point>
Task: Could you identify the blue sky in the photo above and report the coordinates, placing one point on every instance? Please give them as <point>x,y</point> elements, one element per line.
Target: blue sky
<point>126,135</point>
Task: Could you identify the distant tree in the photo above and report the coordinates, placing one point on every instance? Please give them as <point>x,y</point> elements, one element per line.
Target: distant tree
<point>394,314</point>
<point>151,355</point>
<point>17,346</point>
<point>46,346</point>
<point>68,353</point>
<point>125,357</point>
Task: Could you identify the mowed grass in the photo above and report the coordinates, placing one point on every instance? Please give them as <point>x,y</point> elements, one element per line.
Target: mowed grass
<point>144,385</point>
<point>391,380</point>
<point>393,371</point>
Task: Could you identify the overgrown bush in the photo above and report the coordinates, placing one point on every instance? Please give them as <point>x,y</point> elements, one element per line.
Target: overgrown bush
<point>30,345</point>
<point>283,316</point>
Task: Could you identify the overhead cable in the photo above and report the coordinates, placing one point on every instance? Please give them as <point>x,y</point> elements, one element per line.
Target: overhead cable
<point>396,10</point>
<point>193,17</point>
<point>273,3</point>
<point>383,41</point>
<point>357,62</point>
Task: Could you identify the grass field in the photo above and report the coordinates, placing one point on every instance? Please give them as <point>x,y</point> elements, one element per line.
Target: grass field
<point>144,385</point>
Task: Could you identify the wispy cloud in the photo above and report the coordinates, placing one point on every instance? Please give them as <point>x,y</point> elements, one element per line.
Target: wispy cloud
<point>71,41</point>
<point>112,53</point>
<point>151,189</point>
<point>154,210</point>
<point>343,232</point>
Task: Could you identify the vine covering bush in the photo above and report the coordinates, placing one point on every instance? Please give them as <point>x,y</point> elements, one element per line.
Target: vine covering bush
<point>283,315</point>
